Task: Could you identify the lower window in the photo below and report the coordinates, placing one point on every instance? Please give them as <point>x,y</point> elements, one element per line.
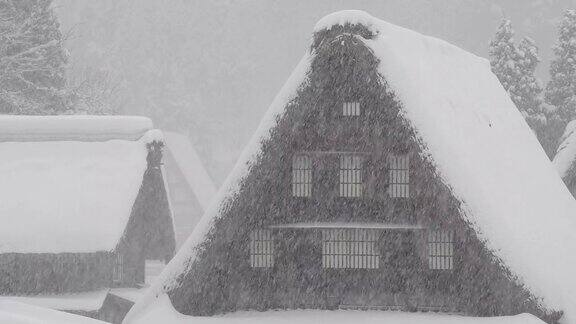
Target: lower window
<point>118,274</point>
<point>261,249</point>
<point>350,249</point>
<point>441,250</point>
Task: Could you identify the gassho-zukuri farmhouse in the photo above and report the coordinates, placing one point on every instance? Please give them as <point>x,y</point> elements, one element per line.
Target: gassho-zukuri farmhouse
<point>391,172</point>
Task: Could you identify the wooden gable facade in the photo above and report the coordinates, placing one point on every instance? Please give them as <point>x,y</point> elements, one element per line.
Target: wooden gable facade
<point>343,210</point>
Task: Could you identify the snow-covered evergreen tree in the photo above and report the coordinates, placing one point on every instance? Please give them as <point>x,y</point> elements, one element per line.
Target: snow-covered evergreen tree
<point>561,90</point>
<point>504,59</point>
<point>32,58</point>
<point>529,89</point>
<point>515,67</point>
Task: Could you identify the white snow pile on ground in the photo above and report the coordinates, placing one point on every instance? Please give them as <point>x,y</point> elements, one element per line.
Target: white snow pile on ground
<point>191,166</point>
<point>86,301</point>
<point>163,312</point>
<point>17,313</point>
<point>70,195</point>
<point>566,153</point>
<point>480,145</point>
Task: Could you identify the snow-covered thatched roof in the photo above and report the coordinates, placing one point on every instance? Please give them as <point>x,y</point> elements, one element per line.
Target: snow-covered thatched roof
<point>566,153</point>
<point>69,183</point>
<point>83,128</point>
<point>477,140</point>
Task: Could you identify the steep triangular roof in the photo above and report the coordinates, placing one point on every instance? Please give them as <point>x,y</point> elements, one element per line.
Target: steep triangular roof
<point>69,182</point>
<point>479,144</point>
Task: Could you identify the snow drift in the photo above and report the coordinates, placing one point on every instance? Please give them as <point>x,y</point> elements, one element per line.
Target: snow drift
<point>163,312</point>
<point>17,313</point>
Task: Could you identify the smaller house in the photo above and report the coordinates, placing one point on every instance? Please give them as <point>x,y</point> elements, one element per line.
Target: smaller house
<point>83,207</point>
<point>565,157</point>
<point>190,186</point>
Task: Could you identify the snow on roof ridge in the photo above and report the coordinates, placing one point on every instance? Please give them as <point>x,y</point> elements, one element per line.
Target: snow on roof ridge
<point>343,17</point>
<point>382,27</point>
<point>89,128</point>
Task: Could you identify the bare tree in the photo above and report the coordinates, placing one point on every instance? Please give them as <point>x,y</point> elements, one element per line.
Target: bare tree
<point>32,59</point>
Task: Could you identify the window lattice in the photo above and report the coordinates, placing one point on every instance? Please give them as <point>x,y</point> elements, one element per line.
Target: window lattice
<point>118,273</point>
<point>399,180</point>
<point>261,249</point>
<point>351,176</point>
<point>441,250</point>
<point>350,249</point>
<point>351,108</point>
<point>302,176</point>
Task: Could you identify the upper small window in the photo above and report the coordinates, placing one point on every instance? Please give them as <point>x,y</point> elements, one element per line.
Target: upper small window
<point>399,177</point>
<point>351,176</point>
<point>302,176</point>
<point>351,108</point>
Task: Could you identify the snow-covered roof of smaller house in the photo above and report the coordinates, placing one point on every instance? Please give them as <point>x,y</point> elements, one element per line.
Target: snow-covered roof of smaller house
<point>19,313</point>
<point>477,141</point>
<point>191,166</point>
<point>72,127</point>
<point>69,182</point>
<point>566,152</point>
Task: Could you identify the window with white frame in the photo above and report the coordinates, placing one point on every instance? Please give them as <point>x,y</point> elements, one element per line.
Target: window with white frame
<point>350,249</point>
<point>351,108</point>
<point>261,249</point>
<point>302,176</point>
<point>399,176</point>
<point>118,273</point>
<point>351,176</point>
<point>441,250</point>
